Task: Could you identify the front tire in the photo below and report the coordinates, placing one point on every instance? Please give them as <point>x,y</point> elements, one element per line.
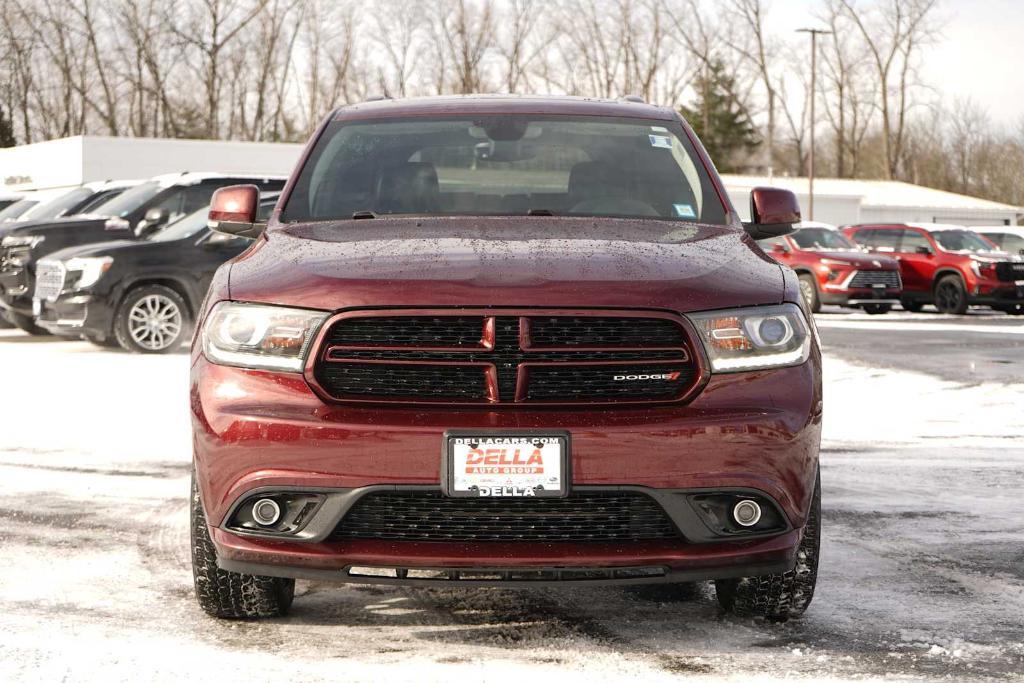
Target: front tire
<point>152,319</point>
<point>778,597</point>
<point>230,595</point>
<point>951,295</point>
<point>877,309</point>
<point>809,291</point>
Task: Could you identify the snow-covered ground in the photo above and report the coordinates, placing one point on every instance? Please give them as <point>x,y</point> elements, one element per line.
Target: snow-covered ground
<point>922,573</point>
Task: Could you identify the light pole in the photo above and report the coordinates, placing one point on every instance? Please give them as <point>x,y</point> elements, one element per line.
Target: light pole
<point>815,32</point>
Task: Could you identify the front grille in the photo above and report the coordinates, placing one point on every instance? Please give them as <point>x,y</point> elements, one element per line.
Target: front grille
<point>49,280</point>
<point>505,359</point>
<point>1009,271</point>
<point>872,278</point>
<point>614,516</point>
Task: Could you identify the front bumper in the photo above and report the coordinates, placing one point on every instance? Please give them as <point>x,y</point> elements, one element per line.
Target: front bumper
<point>256,430</point>
<point>844,296</point>
<point>75,315</point>
<point>16,290</point>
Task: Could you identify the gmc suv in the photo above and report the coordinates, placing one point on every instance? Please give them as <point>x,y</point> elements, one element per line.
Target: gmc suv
<point>505,341</point>
<point>834,270</point>
<point>134,214</point>
<point>947,266</point>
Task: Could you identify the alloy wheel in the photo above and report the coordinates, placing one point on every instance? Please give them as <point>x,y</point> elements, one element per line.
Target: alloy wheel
<point>155,322</point>
<point>948,297</point>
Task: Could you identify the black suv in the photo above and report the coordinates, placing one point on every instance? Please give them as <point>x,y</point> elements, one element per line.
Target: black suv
<point>140,294</point>
<point>134,214</point>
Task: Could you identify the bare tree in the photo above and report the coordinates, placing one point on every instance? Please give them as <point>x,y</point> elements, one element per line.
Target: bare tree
<point>753,45</point>
<point>465,31</point>
<point>893,32</point>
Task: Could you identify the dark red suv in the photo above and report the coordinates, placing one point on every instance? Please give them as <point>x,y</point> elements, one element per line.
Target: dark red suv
<point>834,270</point>
<point>948,266</point>
<point>505,341</point>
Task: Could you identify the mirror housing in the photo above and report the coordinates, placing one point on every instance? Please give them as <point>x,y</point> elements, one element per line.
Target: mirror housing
<point>153,221</point>
<point>233,211</point>
<point>773,212</point>
<point>780,248</point>
<point>926,251</point>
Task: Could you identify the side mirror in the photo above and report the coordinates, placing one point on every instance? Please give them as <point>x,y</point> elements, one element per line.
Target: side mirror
<point>773,212</point>
<point>153,221</point>
<point>233,211</point>
<point>780,248</point>
<point>926,251</point>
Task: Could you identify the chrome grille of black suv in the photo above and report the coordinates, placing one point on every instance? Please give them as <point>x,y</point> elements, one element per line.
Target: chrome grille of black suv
<point>504,359</point>
<point>870,278</point>
<point>429,516</point>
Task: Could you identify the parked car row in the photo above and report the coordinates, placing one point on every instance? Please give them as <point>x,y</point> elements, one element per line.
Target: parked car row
<point>129,270</point>
<point>875,266</point>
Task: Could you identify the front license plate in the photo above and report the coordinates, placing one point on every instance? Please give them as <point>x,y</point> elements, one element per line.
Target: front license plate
<point>506,465</point>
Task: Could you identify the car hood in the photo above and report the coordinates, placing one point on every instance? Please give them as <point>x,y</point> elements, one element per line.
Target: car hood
<point>860,259</point>
<point>55,225</point>
<point>95,249</point>
<point>501,261</point>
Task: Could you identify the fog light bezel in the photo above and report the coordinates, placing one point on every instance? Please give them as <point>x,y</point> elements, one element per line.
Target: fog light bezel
<point>295,510</point>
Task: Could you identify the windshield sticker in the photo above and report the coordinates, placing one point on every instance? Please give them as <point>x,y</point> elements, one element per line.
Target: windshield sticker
<point>662,141</point>
<point>685,210</point>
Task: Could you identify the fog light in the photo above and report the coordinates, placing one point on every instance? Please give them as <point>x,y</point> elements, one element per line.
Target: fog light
<point>746,513</point>
<point>266,512</point>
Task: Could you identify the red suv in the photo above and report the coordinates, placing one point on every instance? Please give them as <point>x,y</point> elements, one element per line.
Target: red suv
<point>505,341</point>
<point>948,266</point>
<point>834,270</point>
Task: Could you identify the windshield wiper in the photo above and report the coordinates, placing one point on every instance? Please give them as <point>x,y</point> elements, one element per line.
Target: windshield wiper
<point>540,212</point>
<point>360,215</point>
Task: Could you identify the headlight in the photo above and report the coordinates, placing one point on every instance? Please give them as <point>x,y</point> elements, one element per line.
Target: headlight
<point>257,336</point>
<point>22,240</point>
<point>92,268</point>
<point>835,262</point>
<point>743,339</point>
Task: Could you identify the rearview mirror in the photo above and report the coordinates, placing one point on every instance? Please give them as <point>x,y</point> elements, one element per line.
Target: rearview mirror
<point>773,213</point>
<point>153,221</point>
<point>233,211</point>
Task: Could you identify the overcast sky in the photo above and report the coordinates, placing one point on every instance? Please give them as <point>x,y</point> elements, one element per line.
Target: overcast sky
<point>979,54</point>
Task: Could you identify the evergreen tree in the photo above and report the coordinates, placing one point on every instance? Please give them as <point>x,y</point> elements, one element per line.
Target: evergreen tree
<point>6,130</point>
<point>721,120</point>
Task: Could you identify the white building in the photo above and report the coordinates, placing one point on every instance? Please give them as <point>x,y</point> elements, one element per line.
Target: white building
<point>845,202</point>
<point>72,161</point>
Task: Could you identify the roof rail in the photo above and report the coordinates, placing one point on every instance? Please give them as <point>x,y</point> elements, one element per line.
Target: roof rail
<point>633,98</point>
<point>377,98</point>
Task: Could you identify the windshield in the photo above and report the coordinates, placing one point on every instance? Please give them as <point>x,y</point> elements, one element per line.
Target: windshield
<point>183,227</point>
<point>1007,241</point>
<point>962,240</point>
<point>130,200</point>
<point>57,207</point>
<point>14,211</point>
<point>822,239</point>
<point>505,165</point>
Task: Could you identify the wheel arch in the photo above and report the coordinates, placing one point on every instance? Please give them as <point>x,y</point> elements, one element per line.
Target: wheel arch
<point>948,270</point>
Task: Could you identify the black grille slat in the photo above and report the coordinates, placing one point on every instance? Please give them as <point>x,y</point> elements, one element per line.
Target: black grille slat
<point>598,382</point>
<point>405,381</point>
<point>871,278</point>
<point>429,516</point>
<point>451,331</point>
<point>428,357</point>
<point>593,331</point>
